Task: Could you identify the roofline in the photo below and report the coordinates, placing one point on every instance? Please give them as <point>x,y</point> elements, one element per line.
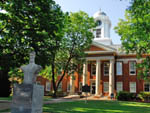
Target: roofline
<point>103,46</point>
<point>95,52</point>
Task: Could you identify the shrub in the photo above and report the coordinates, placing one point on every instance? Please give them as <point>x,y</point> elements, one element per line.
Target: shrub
<point>60,94</point>
<point>125,96</point>
<point>144,96</point>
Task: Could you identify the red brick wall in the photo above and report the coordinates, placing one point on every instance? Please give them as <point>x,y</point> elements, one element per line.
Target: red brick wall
<point>125,78</point>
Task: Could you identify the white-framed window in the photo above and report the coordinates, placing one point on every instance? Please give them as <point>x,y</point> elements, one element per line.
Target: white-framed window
<point>147,87</point>
<point>98,33</point>
<point>93,87</point>
<point>38,82</point>
<point>80,86</point>
<point>106,68</point>
<point>132,87</point>
<point>118,68</point>
<point>119,86</point>
<point>48,86</point>
<point>60,87</point>
<point>68,87</point>
<point>93,68</point>
<point>106,87</point>
<point>132,68</point>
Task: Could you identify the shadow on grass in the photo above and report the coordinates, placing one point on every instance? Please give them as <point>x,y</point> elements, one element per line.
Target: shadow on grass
<point>4,110</point>
<point>97,107</point>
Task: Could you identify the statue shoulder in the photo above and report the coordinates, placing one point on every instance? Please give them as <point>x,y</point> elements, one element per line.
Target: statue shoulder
<point>23,67</point>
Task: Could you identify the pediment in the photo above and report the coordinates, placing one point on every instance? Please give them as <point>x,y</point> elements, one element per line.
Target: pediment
<point>95,48</point>
<point>99,48</point>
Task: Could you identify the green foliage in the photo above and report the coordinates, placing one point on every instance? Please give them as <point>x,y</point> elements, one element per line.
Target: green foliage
<point>126,96</point>
<point>77,38</point>
<point>16,75</point>
<point>135,32</point>
<point>144,96</point>
<point>29,25</point>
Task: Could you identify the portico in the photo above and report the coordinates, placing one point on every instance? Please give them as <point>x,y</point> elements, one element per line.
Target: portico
<point>99,74</point>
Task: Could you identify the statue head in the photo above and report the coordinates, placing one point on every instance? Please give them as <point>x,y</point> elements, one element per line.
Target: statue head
<point>32,57</point>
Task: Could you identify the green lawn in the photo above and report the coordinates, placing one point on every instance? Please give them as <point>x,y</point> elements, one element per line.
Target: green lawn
<point>93,107</point>
<point>6,98</point>
<point>46,98</point>
<point>98,107</point>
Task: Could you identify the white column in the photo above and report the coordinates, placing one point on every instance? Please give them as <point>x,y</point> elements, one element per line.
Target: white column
<point>72,88</point>
<point>84,73</point>
<point>111,77</point>
<point>98,66</point>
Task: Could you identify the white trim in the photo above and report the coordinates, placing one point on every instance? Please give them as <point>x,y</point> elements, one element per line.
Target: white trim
<point>130,59</point>
<point>68,87</point>
<point>60,87</point>
<point>106,47</point>
<point>93,64</point>
<point>144,86</point>
<point>48,86</point>
<point>132,90</point>
<point>106,83</point>
<point>80,86</point>
<point>91,89</point>
<point>95,52</point>
<point>100,58</point>
<point>104,69</point>
<point>121,67</point>
<point>130,68</point>
<point>119,88</point>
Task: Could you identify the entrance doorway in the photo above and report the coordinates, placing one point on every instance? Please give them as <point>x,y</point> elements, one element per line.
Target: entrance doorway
<point>93,88</point>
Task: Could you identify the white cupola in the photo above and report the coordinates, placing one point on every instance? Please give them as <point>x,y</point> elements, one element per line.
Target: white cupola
<point>102,31</point>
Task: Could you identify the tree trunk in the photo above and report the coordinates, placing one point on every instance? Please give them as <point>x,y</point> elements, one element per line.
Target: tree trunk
<point>53,78</point>
<point>4,84</point>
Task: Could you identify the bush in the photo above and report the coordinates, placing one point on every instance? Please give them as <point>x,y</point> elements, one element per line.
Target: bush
<point>144,96</point>
<point>60,94</point>
<point>126,96</point>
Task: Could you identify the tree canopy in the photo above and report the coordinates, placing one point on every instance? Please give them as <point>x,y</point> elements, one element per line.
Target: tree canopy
<point>135,33</point>
<point>77,38</point>
<point>28,25</point>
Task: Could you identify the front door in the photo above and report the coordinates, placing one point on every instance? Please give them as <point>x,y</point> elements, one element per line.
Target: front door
<point>93,88</point>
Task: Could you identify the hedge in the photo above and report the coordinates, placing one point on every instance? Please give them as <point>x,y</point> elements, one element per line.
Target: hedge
<point>126,96</point>
<point>144,96</point>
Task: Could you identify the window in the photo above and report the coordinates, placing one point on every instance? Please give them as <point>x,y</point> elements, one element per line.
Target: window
<point>60,87</point>
<point>93,68</point>
<point>133,87</point>
<point>48,86</point>
<point>68,87</point>
<point>99,22</point>
<point>147,87</point>
<point>119,86</point>
<point>132,68</point>
<point>106,68</point>
<point>93,88</point>
<point>98,33</point>
<point>119,68</point>
<point>106,87</point>
<point>80,86</point>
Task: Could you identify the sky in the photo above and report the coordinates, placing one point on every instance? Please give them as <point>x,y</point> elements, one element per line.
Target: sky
<point>115,9</point>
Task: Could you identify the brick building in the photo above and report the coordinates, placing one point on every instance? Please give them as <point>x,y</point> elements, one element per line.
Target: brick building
<point>107,69</point>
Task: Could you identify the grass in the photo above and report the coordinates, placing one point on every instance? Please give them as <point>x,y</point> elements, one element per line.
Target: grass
<point>6,98</point>
<point>46,98</point>
<point>98,107</point>
<point>92,107</point>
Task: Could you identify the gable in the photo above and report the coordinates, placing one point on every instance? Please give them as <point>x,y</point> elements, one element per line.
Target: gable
<point>95,48</point>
